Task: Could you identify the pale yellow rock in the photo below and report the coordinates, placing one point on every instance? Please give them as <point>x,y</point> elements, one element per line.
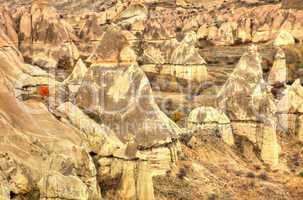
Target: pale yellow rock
<point>43,61</point>
<point>133,13</point>
<point>226,33</point>
<point>128,55</point>
<point>270,147</point>
<point>127,188</point>
<point>261,36</point>
<point>4,188</point>
<point>212,120</point>
<point>284,38</point>
<point>227,134</point>
<point>212,33</point>
<point>207,115</point>
<point>300,128</point>
<point>278,72</point>
<point>244,30</point>
<point>186,52</point>
<point>145,189</point>
<point>101,139</point>
<point>292,101</point>
<point>159,160</point>
<point>249,130</point>
<point>203,32</point>
<point>74,80</point>
<point>55,185</point>
<point>4,193</point>
<point>21,183</point>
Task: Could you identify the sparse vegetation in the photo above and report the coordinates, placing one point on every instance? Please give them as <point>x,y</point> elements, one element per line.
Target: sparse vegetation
<point>250,175</point>
<point>177,116</point>
<point>263,176</point>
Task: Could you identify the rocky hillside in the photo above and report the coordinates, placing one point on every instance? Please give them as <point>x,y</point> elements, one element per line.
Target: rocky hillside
<point>151,100</point>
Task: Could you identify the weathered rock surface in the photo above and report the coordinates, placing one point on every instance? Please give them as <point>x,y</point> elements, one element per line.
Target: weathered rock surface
<point>284,38</point>
<point>290,109</point>
<point>78,117</point>
<point>74,80</point>
<point>211,121</point>
<point>250,107</point>
<point>278,72</point>
<point>127,95</point>
<point>58,186</point>
<point>46,38</point>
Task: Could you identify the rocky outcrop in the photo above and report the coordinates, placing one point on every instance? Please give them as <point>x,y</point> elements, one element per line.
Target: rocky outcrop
<point>116,92</point>
<point>74,80</point>
<point>4,188</point>
<point>290,109</point>
<point>46,38</point>
<point>101,140</point>
<point>33,140</point>
<point>211,121</point>
<point>175,60</point>
<point>8,26</point>
<point>278,72</point>
<point>57,186</point>
<point>250,107</point>
<point>231,25</point>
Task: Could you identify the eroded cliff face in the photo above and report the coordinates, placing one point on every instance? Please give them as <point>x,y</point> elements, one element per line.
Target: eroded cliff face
<point>150,100</point>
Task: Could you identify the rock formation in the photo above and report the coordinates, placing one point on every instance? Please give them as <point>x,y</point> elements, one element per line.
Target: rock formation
<point>284,38</point>
<point>211,121</point>
<point>290,109</point>
<point>248,104</point>
<point>278,72</point>
<point>42,27</point>
<point>79,118</point>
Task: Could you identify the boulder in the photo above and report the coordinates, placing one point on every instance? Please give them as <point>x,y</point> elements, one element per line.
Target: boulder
<point>212,121</point>
<point>127,95</point>
<point>244,95</point>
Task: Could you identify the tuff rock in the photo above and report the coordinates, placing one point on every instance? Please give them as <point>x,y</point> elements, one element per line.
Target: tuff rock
<point>250,107</point>
<point>211,121</point>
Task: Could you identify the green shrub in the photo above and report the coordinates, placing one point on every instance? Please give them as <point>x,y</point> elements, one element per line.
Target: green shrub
<point>301,174</point>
